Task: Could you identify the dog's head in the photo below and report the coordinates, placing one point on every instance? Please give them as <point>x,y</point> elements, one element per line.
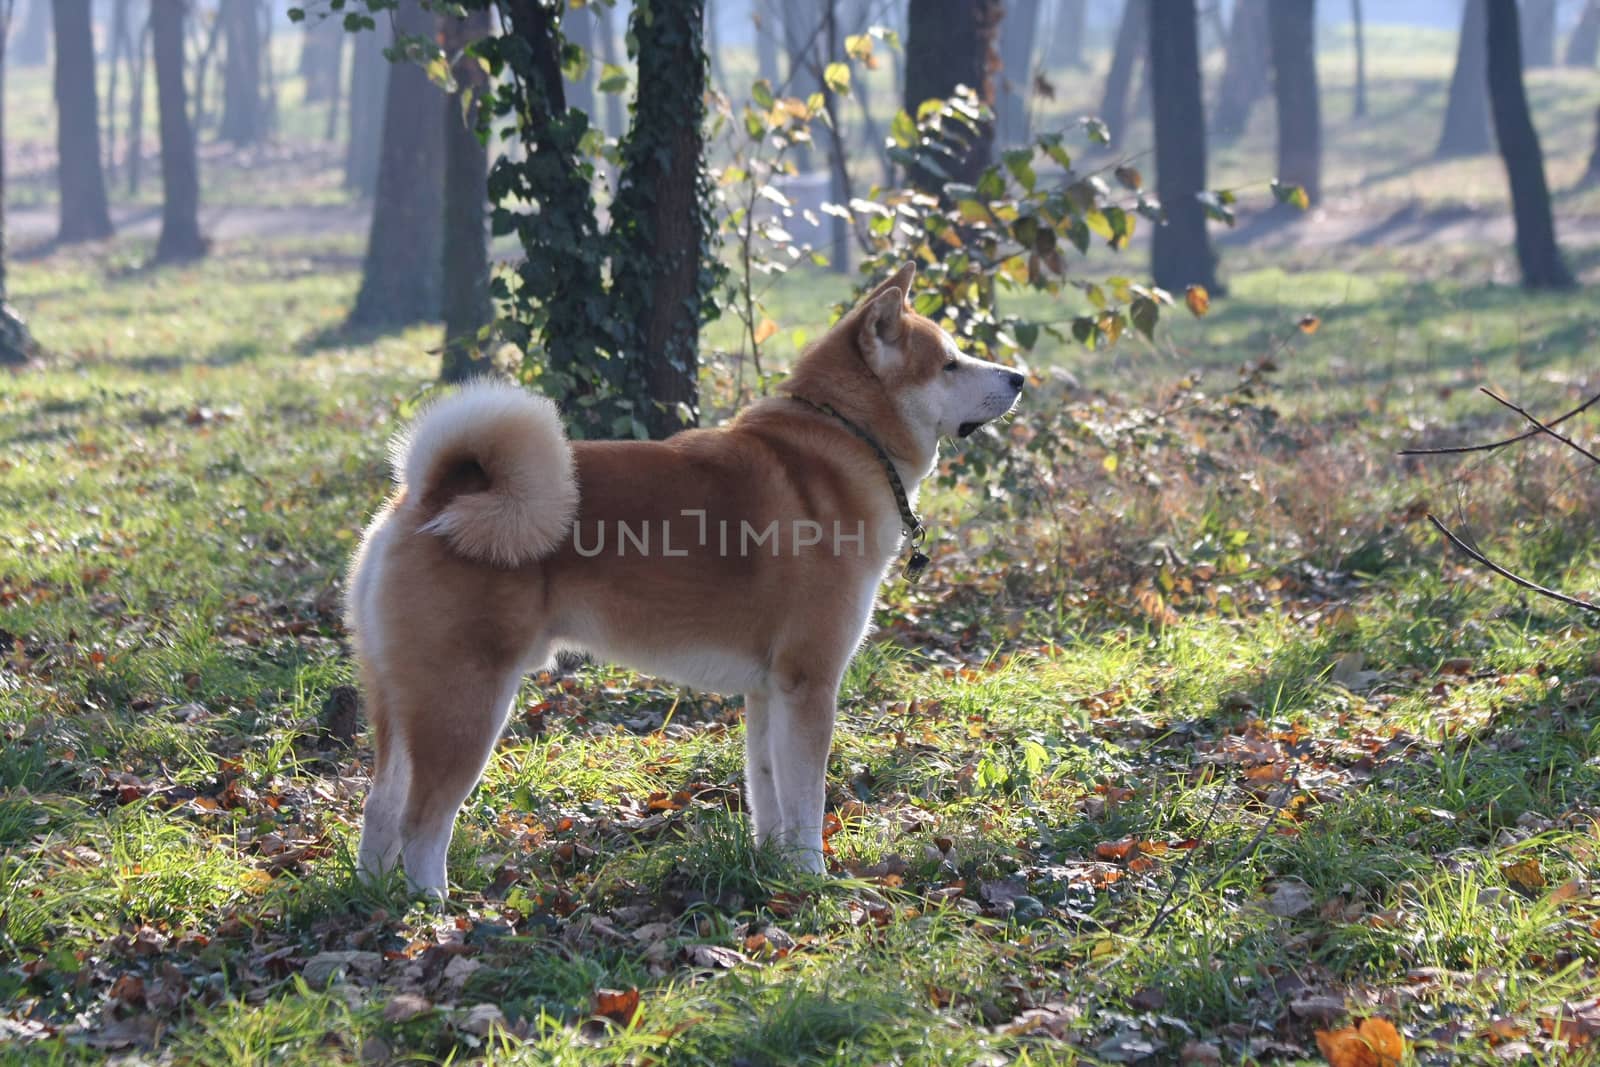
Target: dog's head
<point>935,388</point>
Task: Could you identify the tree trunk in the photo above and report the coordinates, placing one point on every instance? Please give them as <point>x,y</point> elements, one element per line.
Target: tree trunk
<point>1181,249</point>
<point>1132,34</point>
<point>242,119</point>
<point>950,43</point>
<point>1359,109</point>
<point>369,80</point>
<point>802,30</point>
<point>141,74</point>
<point>335,91</point>
<point>1591,173</point>
<point>660,205</point>
<point>1246,72</point>
<point>766,31</point>
<point>1537,252</point>
<point>1538,34</point>
<point>465,266</point>
<point>1066,44</point>
<point>1583,47</point>
<point>85,215</point>
<point>322,57</point>
<point>811,34</point>
<point>1466,113</point>
<point>16,343</point>
<point>180,172</point>
<point>577,26</point>
<point>119,33</point>
<point>400,280</point>
<point>616,123</point>
<point>202,68</point>
<point>33,39</point>
<point>1017,34</point>
<point>1292,30</point>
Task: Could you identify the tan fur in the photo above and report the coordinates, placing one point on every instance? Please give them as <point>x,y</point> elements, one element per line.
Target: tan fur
<point>446,626</point>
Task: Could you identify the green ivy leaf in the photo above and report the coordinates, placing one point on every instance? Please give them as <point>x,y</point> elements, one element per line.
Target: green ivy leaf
<point>613,79</point>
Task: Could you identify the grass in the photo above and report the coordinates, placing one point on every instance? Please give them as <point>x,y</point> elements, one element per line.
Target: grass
<point>1188,659</point>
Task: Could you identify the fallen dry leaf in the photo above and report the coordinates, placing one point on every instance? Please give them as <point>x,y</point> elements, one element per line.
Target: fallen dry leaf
<point>1375,1043</point>
<point>621,1006</point>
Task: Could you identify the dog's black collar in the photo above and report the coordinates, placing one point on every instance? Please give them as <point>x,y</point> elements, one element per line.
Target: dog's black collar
<point>918,561</point>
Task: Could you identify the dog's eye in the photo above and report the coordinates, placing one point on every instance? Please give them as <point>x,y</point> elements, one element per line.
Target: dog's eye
<point>952,365</point>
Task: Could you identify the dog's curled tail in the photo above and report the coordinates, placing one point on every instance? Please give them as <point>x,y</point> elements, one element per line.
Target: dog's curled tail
<point>491,472</point>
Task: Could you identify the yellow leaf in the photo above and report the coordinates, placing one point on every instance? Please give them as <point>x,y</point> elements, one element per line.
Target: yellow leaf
<point>1525,874</point>
<point>1198,299</point>
<point>1310,324</point>
<point>765,329</point>
<point>255,882</point>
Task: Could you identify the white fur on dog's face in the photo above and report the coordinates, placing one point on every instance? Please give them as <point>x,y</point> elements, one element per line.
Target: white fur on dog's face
<point>965,393</point>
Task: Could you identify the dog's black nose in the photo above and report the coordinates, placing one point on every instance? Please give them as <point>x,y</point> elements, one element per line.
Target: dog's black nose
<point>1016,381</point>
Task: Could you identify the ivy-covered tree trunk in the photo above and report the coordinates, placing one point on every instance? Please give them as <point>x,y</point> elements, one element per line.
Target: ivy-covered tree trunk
<point>1246,69</point>
<point>467,308</point>
<point>662,215</point>
<point>1132,35</point>
<point>242,117</point>
<point>180,172</point>
<point>1292,30</point>
<point>85,214</point>
<point>1181,249</point>
<point>400,277</point>
<point>1466,112</point>
<point>950,43</point>
<point>1537,251</point>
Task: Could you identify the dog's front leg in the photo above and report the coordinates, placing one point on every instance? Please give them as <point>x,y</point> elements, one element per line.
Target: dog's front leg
<point>760,787</point>
<point>801,732</point>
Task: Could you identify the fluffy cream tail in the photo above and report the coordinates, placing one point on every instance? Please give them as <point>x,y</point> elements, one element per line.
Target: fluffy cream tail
<point>492,472</point>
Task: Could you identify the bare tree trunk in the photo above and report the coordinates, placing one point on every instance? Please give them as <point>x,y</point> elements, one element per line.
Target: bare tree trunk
<point>208,52</point>
<point>1583,47</point>
<point>335,88</point>
<point>119,33</point>
<point>1132,33</point>
<point>1246,69</point>
<point>1292,30</point>
<point>577,26</point>
<point>85,215</point>
<point>242,120</point>
<point>322,57</point>
<point>465,264</point>
<point>1359,110</point>
<point>33,41</point>
<point>1537,251</point>
<point>269,79</point>
<point>1466,113</point>
<point>400,281</point>
<point>369,79</point>
<point>1066,43</point>
<point>660,196</point>
<point>1018,31</point>
<point>766,30</point>
<point>1591,173</point>
<point>1181,249</point>
<point>141,75</point>
<point>180,172</point>
<point>616,123</point>
<point>950,43</point>
<point>1538,34</point>
<point>17,345</point>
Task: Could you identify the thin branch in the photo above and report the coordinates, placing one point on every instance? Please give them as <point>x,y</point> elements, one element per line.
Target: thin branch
<point>1479,558</point>
<point>1492,445</point>
<point>1569,442</point>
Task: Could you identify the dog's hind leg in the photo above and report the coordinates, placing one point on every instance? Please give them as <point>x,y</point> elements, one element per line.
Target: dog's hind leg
<point>448,737</point>
<point>800,735</point>
<point>760,787</point>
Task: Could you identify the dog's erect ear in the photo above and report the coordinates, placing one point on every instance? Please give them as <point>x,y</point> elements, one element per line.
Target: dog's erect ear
<point>879,326</point>
<point>900,279</point>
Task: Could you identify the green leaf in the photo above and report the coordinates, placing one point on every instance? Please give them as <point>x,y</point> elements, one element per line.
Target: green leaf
<point>1019,161</point>
<point>1145,313</point>
<point>1293,195</point>
<point>761,93</point>
<point>613,79</point>
<point>902,130</point>
<point>836,76</point>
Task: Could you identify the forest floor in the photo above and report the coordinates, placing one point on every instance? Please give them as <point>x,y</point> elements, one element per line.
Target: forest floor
<point>1196,741</point>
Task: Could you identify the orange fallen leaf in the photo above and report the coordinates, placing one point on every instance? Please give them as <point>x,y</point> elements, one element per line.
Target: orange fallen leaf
<point>621,1006</point>
<point>1375,1043</point>
<point>1198,300</point>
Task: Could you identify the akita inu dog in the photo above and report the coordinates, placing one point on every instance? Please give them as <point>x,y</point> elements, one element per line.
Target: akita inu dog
<point>739,559</point>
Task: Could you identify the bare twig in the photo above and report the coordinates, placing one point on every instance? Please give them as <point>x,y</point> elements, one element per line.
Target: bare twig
<point>1492,445</point>
<point>1478,557</point>
<point>1542,428</point>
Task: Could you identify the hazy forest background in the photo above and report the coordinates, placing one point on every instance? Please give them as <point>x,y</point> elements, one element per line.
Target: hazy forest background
<point>1250,712</point>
